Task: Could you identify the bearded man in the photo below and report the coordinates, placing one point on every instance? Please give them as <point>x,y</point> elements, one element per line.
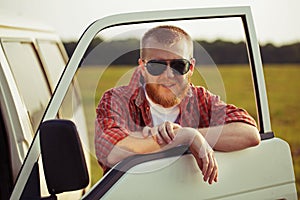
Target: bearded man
<point>160,108</point>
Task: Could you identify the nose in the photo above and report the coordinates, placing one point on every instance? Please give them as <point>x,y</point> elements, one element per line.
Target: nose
<point>169,71</point>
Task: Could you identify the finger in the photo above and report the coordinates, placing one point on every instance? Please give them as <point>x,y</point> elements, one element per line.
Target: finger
<point>214,174</point>
<point>210,167</point>
<point>216,171</point>
<point>205,163</point>
<point>155,133</point>
<point>203,155</point>
<point>170,129</point>
<point>216,177</point>
<point>164,133</point>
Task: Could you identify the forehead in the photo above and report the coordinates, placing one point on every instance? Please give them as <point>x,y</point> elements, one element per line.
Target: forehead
<point>155,49</point>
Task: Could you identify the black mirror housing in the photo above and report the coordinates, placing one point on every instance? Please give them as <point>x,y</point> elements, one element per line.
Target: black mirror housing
<point>62,155</point>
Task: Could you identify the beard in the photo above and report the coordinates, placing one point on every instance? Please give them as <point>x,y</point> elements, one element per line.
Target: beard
<point>163,100</point>
<point>167,97</point>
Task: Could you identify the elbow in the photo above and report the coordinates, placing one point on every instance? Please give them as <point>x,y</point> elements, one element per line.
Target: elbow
<point>113,159</point>
<point>254,138</point>
<point>255,142</point>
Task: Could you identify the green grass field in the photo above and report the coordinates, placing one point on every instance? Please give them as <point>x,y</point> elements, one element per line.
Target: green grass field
<point>282,82</point>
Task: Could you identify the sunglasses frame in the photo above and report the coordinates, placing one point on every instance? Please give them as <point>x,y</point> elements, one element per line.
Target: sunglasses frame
<point>166,63</point>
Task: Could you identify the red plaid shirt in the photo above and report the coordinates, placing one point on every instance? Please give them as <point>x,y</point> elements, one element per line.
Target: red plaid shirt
<point>125,109</point>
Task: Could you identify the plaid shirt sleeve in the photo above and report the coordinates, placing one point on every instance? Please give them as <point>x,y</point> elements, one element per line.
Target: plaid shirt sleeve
<point>111,124</point>
<point>222,113</point>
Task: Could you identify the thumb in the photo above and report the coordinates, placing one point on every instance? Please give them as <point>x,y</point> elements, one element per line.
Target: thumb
<point>146,131</point>
<point>176,126</point>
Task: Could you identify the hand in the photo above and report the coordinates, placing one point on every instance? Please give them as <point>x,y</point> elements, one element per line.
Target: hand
<point>206,161</point>
<point>163,133</point>
<point>177,135</point>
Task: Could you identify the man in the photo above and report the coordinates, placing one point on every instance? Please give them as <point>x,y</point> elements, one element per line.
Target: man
<point>161,109</point>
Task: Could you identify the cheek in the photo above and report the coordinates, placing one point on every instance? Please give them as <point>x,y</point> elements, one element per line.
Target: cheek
<point>182,83</point>
<point>182,80</point>
<point>150,79</point>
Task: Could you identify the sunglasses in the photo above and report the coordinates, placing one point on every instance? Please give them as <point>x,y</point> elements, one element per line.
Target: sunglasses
<point>178,66</point>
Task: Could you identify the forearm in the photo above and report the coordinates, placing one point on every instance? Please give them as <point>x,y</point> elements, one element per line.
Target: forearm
<point>131,145</point>
<point>201,150</point>
<point>135,143</point>
<point>231,137</point>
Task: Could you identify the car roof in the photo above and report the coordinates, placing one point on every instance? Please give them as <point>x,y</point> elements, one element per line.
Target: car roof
<point>9,21</point>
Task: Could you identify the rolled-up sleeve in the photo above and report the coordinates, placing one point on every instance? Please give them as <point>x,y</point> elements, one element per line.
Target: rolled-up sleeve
<point>222,113</point>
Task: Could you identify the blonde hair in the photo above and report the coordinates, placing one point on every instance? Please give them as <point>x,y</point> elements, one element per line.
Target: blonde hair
<point>167,35</point>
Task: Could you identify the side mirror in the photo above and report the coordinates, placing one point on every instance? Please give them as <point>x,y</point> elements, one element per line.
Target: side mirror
<point>62,155</point>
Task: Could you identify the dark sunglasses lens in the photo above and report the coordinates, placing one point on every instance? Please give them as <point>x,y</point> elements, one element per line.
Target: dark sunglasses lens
<point>180,66</point>
<point>156,68</point>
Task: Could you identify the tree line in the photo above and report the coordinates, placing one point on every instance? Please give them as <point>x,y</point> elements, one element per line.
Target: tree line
<point>126,52</point>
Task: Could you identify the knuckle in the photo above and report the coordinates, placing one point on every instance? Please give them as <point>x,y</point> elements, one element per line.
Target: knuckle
<point>216,169</point>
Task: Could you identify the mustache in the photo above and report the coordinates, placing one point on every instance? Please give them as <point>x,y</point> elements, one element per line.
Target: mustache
<point>168,81</point>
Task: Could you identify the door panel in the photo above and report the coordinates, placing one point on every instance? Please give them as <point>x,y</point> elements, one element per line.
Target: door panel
<point>263,172</point>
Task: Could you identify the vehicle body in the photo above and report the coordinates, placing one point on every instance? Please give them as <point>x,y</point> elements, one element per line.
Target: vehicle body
<point>262,172</point>
<point>32,59</point>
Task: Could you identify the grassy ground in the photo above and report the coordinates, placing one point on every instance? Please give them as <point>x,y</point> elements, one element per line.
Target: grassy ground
<point>282,82</point>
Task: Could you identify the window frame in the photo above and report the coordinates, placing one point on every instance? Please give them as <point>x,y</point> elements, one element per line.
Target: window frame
<point>244,12</point>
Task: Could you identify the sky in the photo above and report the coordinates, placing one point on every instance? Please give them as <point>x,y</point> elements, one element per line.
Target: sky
<point>276,21</point>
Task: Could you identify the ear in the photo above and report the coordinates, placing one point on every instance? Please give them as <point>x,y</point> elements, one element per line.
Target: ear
<point>140,62</point>
<point>142,66</point>
<point>192,67</point>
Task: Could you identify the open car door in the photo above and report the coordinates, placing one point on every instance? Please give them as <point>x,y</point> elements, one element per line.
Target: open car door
<point>262,172</point>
